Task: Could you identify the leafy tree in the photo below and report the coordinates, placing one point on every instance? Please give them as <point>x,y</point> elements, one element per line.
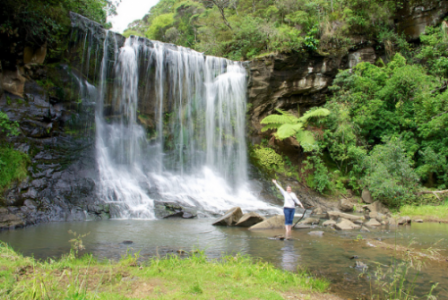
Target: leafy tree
<point>389,173</point>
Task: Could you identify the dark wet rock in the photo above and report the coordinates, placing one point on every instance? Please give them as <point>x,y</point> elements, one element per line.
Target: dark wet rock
<point>165,210</point>
<point>275,222</point>
<point>346,205</point>
<point>418,221</point>
<point>231,217</point>
<point>354,257</point>
<point>30,203</point>
<point>316,233</point>
<point>13,209</point>
<point>250,219</point>
<point>366,197</point>
<point>127,242</point>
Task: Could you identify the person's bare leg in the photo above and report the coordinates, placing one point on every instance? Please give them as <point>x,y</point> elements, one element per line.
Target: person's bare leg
<point>288,231</point>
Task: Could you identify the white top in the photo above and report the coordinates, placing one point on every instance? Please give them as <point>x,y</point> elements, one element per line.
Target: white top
<point>290,198</point>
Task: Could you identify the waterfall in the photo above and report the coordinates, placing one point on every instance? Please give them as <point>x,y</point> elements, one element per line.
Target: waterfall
<point>170,126</point>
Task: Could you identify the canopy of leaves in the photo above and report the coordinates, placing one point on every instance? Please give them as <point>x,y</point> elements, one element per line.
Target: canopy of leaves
<point>34,22</point>
<point>242,29</point>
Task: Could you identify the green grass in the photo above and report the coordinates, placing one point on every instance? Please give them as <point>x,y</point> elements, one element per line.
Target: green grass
<point>13,166</point>
<point>193,277</point>
<point>426,212</point>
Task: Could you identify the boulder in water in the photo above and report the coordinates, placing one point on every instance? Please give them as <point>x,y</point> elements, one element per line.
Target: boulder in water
<point>330,223</point>
<point>231,217</point>
<point>345,224</point>
<point>335,215</point>
<point>418,221</point>
<point>404,221</point>
<point>250,219</point>
<point>275,222</point>
<point>310,221</point>
<point>345,205</point>
<point>372,223</point>
<point>377,216</point>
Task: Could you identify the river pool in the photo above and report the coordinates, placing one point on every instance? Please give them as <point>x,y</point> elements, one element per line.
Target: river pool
<point>328,256</point>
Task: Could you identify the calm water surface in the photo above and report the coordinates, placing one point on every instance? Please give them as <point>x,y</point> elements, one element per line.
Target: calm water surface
<point>327,256</point>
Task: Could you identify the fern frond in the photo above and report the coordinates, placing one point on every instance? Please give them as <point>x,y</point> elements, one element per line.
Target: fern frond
<point>317,113</point>
<point>282,112</point>
<point>288,130</point>
<point>270,126</point>
<point>279,119</point>
<point>306,140</point>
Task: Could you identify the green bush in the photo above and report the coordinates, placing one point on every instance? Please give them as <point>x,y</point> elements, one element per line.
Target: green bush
<point>13,166</point>
<point>268,159</point>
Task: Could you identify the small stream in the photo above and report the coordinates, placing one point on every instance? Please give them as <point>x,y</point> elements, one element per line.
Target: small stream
<point>327,256</point>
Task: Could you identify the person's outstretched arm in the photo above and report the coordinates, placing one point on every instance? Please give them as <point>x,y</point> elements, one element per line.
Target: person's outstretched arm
<point>296,200</point>
<point>279,187</point>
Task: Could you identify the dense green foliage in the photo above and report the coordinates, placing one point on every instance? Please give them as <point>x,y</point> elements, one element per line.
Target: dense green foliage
<point>35,22</point>
<point>192,276</point>
<point>242,29</point>
<point>388,127</point>
<point>13,163</point>
<point>388,132</point>
<point>13,166</point>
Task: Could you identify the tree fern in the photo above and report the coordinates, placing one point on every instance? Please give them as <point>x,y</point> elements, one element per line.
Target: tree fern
<point>288,125</point>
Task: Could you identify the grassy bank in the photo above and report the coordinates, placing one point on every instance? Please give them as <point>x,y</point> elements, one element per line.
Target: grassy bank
<point>428,213</point>
<point>194,277</point>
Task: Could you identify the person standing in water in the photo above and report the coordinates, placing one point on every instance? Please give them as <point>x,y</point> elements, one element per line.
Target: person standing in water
<point>289,206</point>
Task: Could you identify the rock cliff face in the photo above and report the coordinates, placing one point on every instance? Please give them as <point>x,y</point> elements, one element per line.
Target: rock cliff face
<point>57,132</point>
<point>417,14</point>
<point>289,81</point>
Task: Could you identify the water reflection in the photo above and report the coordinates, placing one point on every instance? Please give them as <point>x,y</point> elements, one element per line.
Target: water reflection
<point>289,257</point>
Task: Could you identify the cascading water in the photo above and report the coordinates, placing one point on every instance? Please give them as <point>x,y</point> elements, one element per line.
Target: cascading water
<point>194,152</point>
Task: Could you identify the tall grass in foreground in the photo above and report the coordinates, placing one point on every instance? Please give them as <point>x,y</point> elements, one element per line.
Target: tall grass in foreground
<point>193,277</point>
<point>399,279</point>
<point>426,212</point>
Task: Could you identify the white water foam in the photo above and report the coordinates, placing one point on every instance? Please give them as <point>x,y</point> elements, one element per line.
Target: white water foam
<point>199,154</point>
